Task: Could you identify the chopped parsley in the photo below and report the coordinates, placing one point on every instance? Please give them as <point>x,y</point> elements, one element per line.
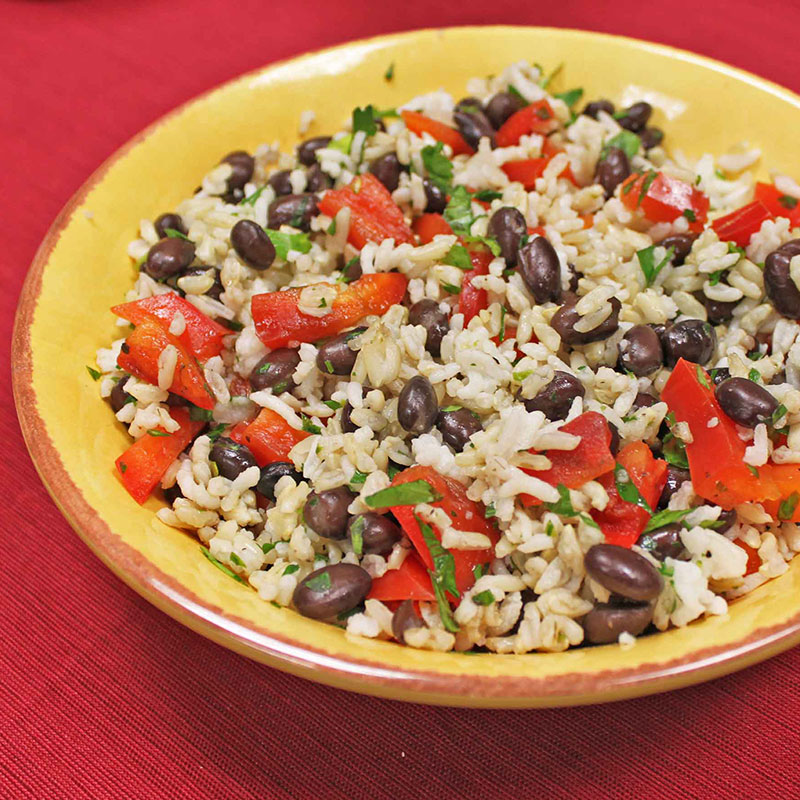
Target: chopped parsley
<point>284,242</point>
<point>309,426</point>
<point>291,569</point>
<point>502,335</point>
<point>754,375</point>
<point>458,212</point>
<point>520,376</point>
<point>690,215</point>
<point>752,469</point>
<point>627,490</point>
<point>487,195</point>
<point>647,262</point>
<point>570,97</point>
<point>96,375</point>
<point>674,450</point>
<point>484,598</point>
<point>516,92</point>
<point>452,408</point>
<point>666,517</point>
<point>364,120</point>
<point>755,355</point>
<point>701,377</point>
<point>625,140</point>
<point>331,229</point>
<point>356,531</point>
<point>667,570</point>
<point>173,234</point>
<point>236,560</point>
<point>438,166</point>
<point>457,256</point>
<point>546,81</point>
<point>250,200</point>
<point>123,467</point>
<point>451,288</point>
<point>787,506</point>
<point>649,178</point>
<point>267,546</point>
<point>487,241</point>
<point>404,494</point>
<point>342,144</point>
<point>443,575</point>
<point>491,511</point>
<point>216,432</point>
<point>153,432</point>
<point>329,366</point>
<point>393,470</point>
<point>222,567</point>
<point>319,583</point>
<point>563,506</point>
<point>787,201</point>
<point>232,324</point>
<point>719,173</point>
<point>777,414</point>
<point>715,277</point>
<point>358,478</point>
<point>389,74</point>
<point>333,405</point>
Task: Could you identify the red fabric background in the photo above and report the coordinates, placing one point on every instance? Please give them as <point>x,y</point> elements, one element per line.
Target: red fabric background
<point>102,696</point>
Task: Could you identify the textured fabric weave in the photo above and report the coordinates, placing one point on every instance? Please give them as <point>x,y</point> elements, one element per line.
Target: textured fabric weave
<point>102,696</point>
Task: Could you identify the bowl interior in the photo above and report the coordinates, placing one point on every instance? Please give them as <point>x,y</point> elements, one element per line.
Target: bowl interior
<point>82,269</point>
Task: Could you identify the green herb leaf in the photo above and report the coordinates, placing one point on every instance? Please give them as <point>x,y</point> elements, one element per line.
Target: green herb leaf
<point>647,263</point>
<point>123,467</point>
<point>342,143</point>
<point>755,355</point>
<point>329,366</point>
<point>667,570</point>
<point>457,256</point>
<point>438,166</point>
<point>491,511</point>
<point>624,140</point>
<point>651,176</point>
<point>734,248</point>
<point>233,324</point>
<point>715,277</point>
<point>333,405</point>
<point>487,241</point>
<point>674,451</point>
<point>666,517</point>
<point>443,574</point>
<point>250,200</point>
<point>787,506</point>
<point>284,242</point>
<point>309,426</point>
<point>459,211</point>
<point>96,374</point>
<point>701,377</point>
<point>291,569</point>
<point>389,74</point>
<point>719,173</point>
<point>690,215</point>
<point>484,598</point>
<point>358,478</point>
<point>570,97</point>
<point>222,567</point>
<point>319,583</point>
<point>516,92</point>
<point>479,570</point>
<point>777,414</point>
<point>754,375</point>
<point>563,506</point>
<point>216,432</point>
<point>752,469</point>
<point>404,494</point>
<point>156,433</point>
<point>173,234</point>
<point>331,229</point>
<point>787,201</point>
<point>236,560</point>
<point>520,376</point>
<point>449,287</point>
<point>364,120</point>
<point>545,82</point>
<point>627,490</point>
<point>712,523</point>
<point>393,470</point>
<point>267,546</point>
<point>452,408</point>
<point>356,531</point>
<point>487,195</point>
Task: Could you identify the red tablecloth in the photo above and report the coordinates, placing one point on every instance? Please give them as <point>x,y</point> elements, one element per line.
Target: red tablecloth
<point>101,695</point>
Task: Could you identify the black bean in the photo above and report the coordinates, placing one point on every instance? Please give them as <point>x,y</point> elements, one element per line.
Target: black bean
<point>540,270</point>
<point>272,473</point>
<point>651,137</point>
<point>231,457</point>
<point>428,314</point>
<point>387,170</point>
<point>780,287</point>
<point>605,622</point>
<point>168,257</point>
<point>281,182</point>
<point>663,542</point>
<point>331,590</point>
<point>216,289</point>
<point>317,180</point>
<point>437,199</point>
<point>745,402</point>
<point>622,571</point>
<point>176,401</point>
<point>404,618</point>
<point>555,400</point>
<point>243,165</point>
<point>676,476</point>
<point>614,444</point>
<point>717,310</point>
<point>473,127</point>
<point>640,350</point>
<point>336,357</point>
<point>352,270</point>
<point>307,150</point>
<point>691,339</point>
<point>563,322</point>
<point>326,512</point>
<point>644,400</point>
<point>292,209</point>
<point>169,221</point>
<point>274,371</point>
<point>719,374</point>
<point>417,405</point>
<point>252,244</point>
<point>172,494</point>
<point>612,170</point>
<point>574,278</point>
<point>468,105</point>
<point>636,117</point>
<point>594,108</point>
<point>348,426</point>
<point>726,520</point>
<point>682,244</point>
<point>119,397</point>
<point>501,106</point>
<point>457,426</point>
<point>508,226</point>
<point>378,533</point>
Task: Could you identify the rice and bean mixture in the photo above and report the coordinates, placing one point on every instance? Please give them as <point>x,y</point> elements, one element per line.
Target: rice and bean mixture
<point>507,374</point>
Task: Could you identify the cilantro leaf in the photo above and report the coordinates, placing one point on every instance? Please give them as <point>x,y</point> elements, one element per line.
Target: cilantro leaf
<point>356,531</point>
<point>457,256</point>
<point>787,506</point>
<point>484,598</point>
<point>250,200</point>
<point>222,567</point>
<point>458,212</point>
<point>487,195</point>
<point>546,81</point>
<point>627,490</point>
<point>563,506</point>
<point>153,432</point>
<point>358,478</point>
<point>404,494</point>
<point>174,234</point>
<point>309,426</point>
<point>389,74</point>
<point>438,166</point>
<point>625,140</point>
<point>284,242</point>
<point>319,583</point>
<point>450,288</point>
<point>96,374</point>
<point>665,517</point>
<point>647,262</point>
<point>291,569</point>
<point>364,120</point>
<point>570,97</point>
<point>787,201</point>
<point>443,575</point>
<point>342,143</point>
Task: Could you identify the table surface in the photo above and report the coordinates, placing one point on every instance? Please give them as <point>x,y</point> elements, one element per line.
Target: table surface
<point>103,696</point>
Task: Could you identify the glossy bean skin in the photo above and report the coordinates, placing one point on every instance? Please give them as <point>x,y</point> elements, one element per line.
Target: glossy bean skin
<point>507,226</point>
<point>351,270</point>
<point>612,170</point>
<point>555,399</point>
<point>417,406</point>
<point>640,350</point>
<point>727,518</point>
<point>336,357</point>
<point>169,221</point>
<point>676,476</point>
<point>682,244</point>
<point>231,457</point>
<point>745,402</point>
<point>252,245</point>
<point>274,371</point>
<point>427,313</point>
<point>644,400</point>
<point>719,374</point>
<point>281,182</point>
<point>692,339</point>
<point>651,137</point>
<point>168,257</point>
<point>457,427</point>
<point>317,180</point>
<point>243,165</point>
<point>623,572</point>
<point>606,621</point>
<point>778,283</point>
<point>292,209</point>
<point>119,397</point>
<point>501,106</point>
<point>404,618</point>
<point>563,322</point>
<point>663,542</point>
<point>216,289</point>
<point>387,170</point>
<point>307,150</point>
<point>539,267</point>
<point>331,590</point>
<point>326,512</point>
<point>378,533</point>
<point>636,117</point>
<point>473,127</point>
<point>437,199</point>
<point>272,473</point>
<point>594,108</point>
<point>614,444</point>
<point>717,310</point>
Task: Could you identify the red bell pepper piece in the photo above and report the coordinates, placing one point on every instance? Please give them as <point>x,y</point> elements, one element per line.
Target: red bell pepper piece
<point>140,353</point>
<point>279,322</point>
<point>740,225</point>
<point>269,436</point>
<point>144,463</point>
<point>787,479</point>
<point>779,205</point>
<point>753,558</point>
<point>663,198</point>
<point>202,337</point>
<point>374,216</point>
<point>429,225</point>
<point>528,170</point>
<point>466,515</point>
<point>623,522</point>
<point>535,118</point>
<point>410,581</point>
<point>419,124</point>
<point>590,459</point>
<point>472,300</point>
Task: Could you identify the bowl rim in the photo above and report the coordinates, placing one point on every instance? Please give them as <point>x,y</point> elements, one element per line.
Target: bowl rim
<point>276,649</point>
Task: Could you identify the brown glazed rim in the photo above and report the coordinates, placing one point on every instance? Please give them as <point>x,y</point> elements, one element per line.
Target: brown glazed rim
<point>246,637</point>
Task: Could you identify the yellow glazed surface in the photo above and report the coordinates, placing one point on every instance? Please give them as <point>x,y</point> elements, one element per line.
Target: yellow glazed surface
<point>82,269</point>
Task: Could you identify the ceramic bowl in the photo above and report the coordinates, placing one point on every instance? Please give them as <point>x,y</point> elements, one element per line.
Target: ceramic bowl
<point>82,268</point>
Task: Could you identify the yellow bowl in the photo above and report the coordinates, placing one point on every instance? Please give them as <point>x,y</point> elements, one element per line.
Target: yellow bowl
<point>82,268</point>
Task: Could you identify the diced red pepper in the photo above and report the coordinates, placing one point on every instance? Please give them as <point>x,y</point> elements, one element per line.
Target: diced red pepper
<point>528,170</point>
<point>472,300</point>
<point>663,198</point>
<point>588,220</point>
<point>740,225</point>
<point>140,353</point>
<point>465,514</point>
<point>202,336</point>
<point>374,216</point>
<point>622,522</point>
<point>753,558</point>
<point>787,479</point>
<point>410,581</point>
<point>239,386</point>
<point>537,231</point>
<point>429,225</point>
<point>269,436</point>
<point>779,205</point>
<point>419,124</point>
<point>535,118</point>
<point>590,459</point>
<point>144,463</point>
<point>279,321</point>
